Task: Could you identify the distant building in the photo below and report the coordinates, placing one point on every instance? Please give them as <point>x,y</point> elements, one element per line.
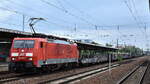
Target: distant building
<point>84,40</point>
<point>120,46</point>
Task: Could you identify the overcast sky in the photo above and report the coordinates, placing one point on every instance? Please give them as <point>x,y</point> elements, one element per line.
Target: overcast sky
<point>91,19</point>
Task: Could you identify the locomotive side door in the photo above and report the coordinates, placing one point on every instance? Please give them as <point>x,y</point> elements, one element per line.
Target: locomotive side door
<point>43,51</point>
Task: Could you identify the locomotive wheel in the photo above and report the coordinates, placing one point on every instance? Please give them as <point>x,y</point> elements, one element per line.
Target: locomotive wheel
<point>11,68</point>
<point>55,67</point>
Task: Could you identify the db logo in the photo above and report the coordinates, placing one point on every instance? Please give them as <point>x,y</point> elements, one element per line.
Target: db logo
<point>22,54</point>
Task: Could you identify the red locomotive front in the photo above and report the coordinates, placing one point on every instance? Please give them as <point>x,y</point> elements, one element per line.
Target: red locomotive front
<point>38,52</point>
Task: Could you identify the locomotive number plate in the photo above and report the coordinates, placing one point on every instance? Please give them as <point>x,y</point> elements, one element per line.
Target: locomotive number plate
<point>21,58</point>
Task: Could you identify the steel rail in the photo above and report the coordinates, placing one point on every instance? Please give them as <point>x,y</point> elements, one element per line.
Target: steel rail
<point>141,80</point>
<point>129,74</point>
<point>78,76</point>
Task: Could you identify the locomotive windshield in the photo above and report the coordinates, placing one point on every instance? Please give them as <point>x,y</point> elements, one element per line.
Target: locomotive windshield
<point>24,44</point>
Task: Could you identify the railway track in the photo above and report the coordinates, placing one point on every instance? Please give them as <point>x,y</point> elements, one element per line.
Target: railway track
<point>136,76</point>
<point>146,77</point>
<point>79,76</point>
<point>3,72</point>
<point>15,78</point>
<point>36,76</point>
<point>8,76</point>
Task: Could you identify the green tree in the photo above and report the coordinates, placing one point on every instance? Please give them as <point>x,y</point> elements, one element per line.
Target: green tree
<point>109,45</point>
<point>132,50</point>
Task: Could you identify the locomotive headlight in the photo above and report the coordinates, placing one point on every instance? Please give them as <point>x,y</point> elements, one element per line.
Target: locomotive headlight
<point>30,58</point>
<point>13,58</point>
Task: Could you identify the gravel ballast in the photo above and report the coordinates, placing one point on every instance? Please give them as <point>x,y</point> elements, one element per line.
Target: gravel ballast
<point>115,75</point>
<point>103,78</point>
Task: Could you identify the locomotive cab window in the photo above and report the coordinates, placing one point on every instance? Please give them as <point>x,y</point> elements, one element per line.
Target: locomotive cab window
<point>23,44</point>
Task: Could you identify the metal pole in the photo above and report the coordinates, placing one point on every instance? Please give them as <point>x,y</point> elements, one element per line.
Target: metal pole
<point>117,43</point>
<point>109,63</point>
<point>23,22</point>
<point>75,29</point>
<point>118,37</point>
<point>149,5</point>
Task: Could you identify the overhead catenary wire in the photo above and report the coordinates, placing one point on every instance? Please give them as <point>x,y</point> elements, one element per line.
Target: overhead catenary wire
<point>17,12</point>
<point>49,22</point>
<point>98,26</point>
<point>105,26</point>
<point>67,12</point>
<point>81,12</point>
<point>59,2</point>
<point>10,24</point>
<point>37,11</point>
<point>77,9</point>
<point>8,8</point>
<point>123,36</point>
<point>146,38</point>
<point>139,19</point>
<point>137,13</point>
<point>12,11</point>
<point>118,28</point>
<point>132,14</point>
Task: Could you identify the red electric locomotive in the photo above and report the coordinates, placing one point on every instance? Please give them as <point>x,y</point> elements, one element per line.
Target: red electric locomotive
<point>39,52</point>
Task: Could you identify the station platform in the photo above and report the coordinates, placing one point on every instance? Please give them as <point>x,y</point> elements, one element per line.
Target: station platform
<point>3,64</point>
